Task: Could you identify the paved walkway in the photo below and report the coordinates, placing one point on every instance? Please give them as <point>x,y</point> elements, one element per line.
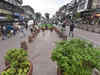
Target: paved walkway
<point>13,42</point>
<point>93,37</point>
<point>39,52</point>
<point>41,49</point>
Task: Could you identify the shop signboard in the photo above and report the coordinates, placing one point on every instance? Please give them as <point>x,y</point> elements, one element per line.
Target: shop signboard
<point>98,15</point>
<point>5,11</point>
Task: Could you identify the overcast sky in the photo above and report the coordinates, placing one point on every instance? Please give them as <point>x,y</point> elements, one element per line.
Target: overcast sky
<point>43,6</point>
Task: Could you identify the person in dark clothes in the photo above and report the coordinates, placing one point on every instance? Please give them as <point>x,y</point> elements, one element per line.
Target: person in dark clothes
<point>71,32</point>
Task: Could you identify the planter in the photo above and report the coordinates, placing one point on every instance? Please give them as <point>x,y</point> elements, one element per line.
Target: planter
<point>30,39</point>
<point>24,45</point>
<point>46,27</point>
<point>51,29</point>
<point>56,30</point>
<point>30,69</point>
<point>97,30</point>
<point>59,71</point>
<point>7,63</point>
<point>43,29</point>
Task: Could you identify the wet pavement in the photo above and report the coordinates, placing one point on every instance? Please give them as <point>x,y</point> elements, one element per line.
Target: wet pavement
<point>39,52</point>
<point>86,35</point>
<point>40,49</point>
<point>13,42</point>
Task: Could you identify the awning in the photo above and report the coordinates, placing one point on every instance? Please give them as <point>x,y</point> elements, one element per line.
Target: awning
<point>98,15</point>
<point>5,11</point>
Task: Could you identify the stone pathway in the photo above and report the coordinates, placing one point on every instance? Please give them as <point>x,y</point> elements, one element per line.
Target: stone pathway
<point>86,35</point>
<point>5,45</point>
<point>41,49</point>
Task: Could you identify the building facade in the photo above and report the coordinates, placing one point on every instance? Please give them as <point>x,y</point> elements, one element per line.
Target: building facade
<point>96,4</point>
<point>10,8</point>
<point>28,12</point>
<point>82,5</point>
<point>15,2</point>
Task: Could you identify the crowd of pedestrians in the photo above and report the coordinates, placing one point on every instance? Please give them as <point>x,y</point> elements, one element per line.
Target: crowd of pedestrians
<point>11,29</point>
<point>63,23</point>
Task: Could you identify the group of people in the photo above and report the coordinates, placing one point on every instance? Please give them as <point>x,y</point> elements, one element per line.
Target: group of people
<point>71,28</point>
<point>10,29</point>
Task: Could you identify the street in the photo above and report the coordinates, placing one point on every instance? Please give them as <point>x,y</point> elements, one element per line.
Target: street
<point>41,48</point>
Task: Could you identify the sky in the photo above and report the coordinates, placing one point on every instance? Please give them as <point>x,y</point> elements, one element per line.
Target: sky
<point>43,6</point>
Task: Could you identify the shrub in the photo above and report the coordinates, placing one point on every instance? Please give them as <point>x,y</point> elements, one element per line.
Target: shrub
<point>19,64</point>
<point>76,57</point>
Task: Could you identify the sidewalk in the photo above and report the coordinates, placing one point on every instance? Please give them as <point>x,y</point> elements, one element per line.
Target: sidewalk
<point>39,52</point>
<point>42,48</point>
<point>13,42</point>
<point>93,37</point>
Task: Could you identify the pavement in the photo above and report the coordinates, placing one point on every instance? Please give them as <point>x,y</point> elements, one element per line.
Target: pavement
<point>39,52</point>
<point>40,49</point>
<point>86,35</point>
<point>13,42</point>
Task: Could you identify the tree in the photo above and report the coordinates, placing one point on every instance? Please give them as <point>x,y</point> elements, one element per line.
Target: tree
<point>38,16</point>
<point>47,15</point>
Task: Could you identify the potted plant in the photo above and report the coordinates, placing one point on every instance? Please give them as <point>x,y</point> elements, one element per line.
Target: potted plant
<point>76,57</point>
<point>19,63</point>
<point>43,29</point>
<point>24,45</point>
<point>30,38</point>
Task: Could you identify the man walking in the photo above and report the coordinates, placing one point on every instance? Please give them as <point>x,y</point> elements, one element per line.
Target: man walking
<point>71,32</point>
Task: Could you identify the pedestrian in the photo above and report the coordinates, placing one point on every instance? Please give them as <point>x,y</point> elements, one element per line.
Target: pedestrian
<point>22,31</point>
<point>31,28</point>
<point>4,32</point>
<point>64,33</point>
<point>71,32</point>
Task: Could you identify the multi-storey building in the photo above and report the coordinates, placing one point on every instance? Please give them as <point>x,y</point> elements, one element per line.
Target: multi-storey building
<point>96,4</point>
<point>82,5</point>
<point>11,8</point>
<point>28,12</point>
<point>89,9</point>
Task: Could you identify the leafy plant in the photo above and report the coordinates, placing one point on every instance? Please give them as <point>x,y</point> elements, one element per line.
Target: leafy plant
<point>19,64</point>
<point>47,25</point>
<point>76,57</point>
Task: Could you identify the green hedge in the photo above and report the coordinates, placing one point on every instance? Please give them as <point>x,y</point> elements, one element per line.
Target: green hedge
<point>76,57</point>
<point>19,63</point>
